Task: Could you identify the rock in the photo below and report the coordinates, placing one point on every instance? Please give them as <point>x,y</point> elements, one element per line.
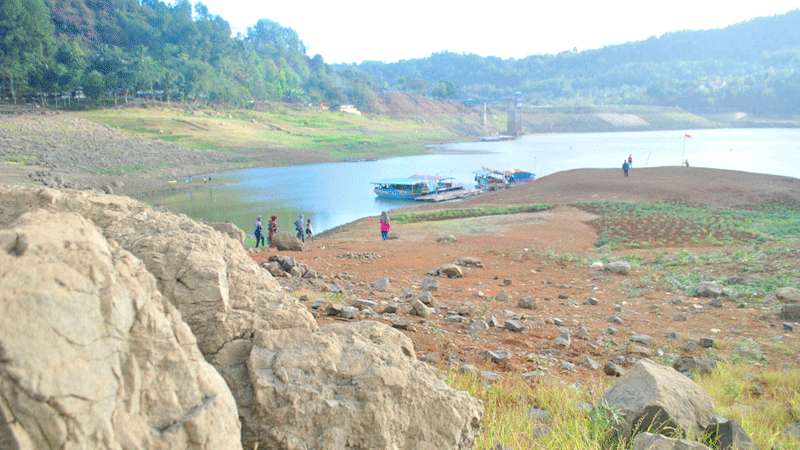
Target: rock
<point>597,265</point>
<point>501,296</point>
<point>493,322</point>
<point>558,322</point>
<point>477,327</point>
<point>788,294</point>
<point>403,325</point>
<point>230,230</point>
<point>639,350</point>
<point>498,356</point>
<point>649,441</point>
<point>567,366</point>
<point>690,365</point>
<point>680,317</point>
<point>333,309</point>
<point>489,376</point>
<point>447,239</point>
<point>592,301</point>
<point>582,333</point>
<point>365,304</point>
<point>613,370</point>
<point>526,303</point>
<point>615,319</point>
<point>285,241</point>
<point>299,384</point>
<point>348,312</point>
<point>449,271</point>
<point>92,355</point>
<point>563,296</point>
<point>708,289</point>
<point>426,298</point>
<point>716,302</point>
<point>653,397</point>
<point>563,339</point>
<point>641,339</point>
<point>791,312</point>
<point>274,268</point>
<point>418,308</point>
<point>514,325</point>
<point>788,326</point>
<point>793,430</point>
<point>381,284</point>
<point>590,363</point>
<point>391,308</point>
<point>729,435</point>
<point>455,318</point>
<point>611,331</point>
<point>620,267</point>
<point>430,284</point>
<point>469,261</point>
<point>706,342</point>
<point>469,369</point>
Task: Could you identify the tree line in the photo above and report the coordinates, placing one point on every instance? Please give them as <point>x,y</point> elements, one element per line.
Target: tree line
<point>116,49</point>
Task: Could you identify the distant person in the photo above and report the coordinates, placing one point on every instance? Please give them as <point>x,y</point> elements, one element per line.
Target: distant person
<point>259,233</point>
<point>630,160</point>
<point>309,231</point>
<point>626,167</point>
<point>273,228</point>
<point>298,227</point>
<point>386,225</point>
<point>686,162</point>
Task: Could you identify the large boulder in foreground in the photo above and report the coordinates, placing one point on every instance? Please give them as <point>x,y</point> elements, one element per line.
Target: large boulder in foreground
<point>656,398</point>
<point>227,300</point>
<point>91,354</point>
<point>354,386</point>
<point>650,441</point>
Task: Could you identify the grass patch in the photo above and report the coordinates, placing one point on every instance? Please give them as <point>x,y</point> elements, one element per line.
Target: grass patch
<point>463,213</point>
<point>763,401</point>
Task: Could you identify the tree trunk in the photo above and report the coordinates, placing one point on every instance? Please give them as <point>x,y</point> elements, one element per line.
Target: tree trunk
<point>11,82</point>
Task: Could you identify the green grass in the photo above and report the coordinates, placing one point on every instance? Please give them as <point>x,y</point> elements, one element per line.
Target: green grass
<point>462,213</point>
<point>763,401</point>
<point>308,134</point>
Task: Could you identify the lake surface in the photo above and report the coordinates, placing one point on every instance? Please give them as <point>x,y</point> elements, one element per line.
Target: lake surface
<point>333,194</point>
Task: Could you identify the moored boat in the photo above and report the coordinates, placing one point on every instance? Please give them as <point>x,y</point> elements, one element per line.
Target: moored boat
<point>414,186</point>
<point>490,179</point>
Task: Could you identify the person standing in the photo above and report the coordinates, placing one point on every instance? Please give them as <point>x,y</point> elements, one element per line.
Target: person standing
<point>309,231</point>
<point>273,228</point>
<point>386,225</point>
<point>259,233</point>
<point>298,227</point>
<point>626,167</point>
<point>630,160</point>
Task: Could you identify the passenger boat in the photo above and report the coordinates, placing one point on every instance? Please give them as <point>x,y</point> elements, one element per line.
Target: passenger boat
<point>490,179</point>
<point>414,186</point>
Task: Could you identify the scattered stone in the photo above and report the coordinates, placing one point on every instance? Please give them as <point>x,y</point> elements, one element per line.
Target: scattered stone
<point>514,325</point>
<point>333,310</point>
<point>680,317</point>
<point>469,261</point>
<point>490,376</point>
<point>390,308</point>
<point>381,284</point>
<point>348,312</point>
<point>639,350</point>
<point>690,365</point>
<point>507,282</point>
<point>274,268</point>
<point>787,326</point>
<point>654,397</point>
<point>493,322</point>
<point>455,318</point>
<point>447,239</point>
<point>788,294</point>
<point>590,363</point>
<point>615,319</point>
<point>567,366</point>
<point>418,308</point>
<point>426,298</point>
<point>706,342</point>
<point>538,373</point>
<point>597,265</point>
<point>793,430</point>
<point>649,441</point>
<point>501,296</point>
<point>469,369</point>
<point>592,301</point>
<point>558,322</point>
<point>449,271</point>
<point>285,241</point>
<point>360,256</point>
<point>612,369</point>
<point>430,283</point>
<point>526,302</point>
<point>477,327</point>
<point>620,267</point>
<point>611,331</point>
<point>672,335</point>
<point>729,435</point>
<point>498,356</point>
<point>403,325</point>
<point>716,302</point>
<point>641,339</point>
<point>582,333</point>
<point>563,296</point>
<point>563,339</point>
<point>791,312</point>
<point>708,289</point>
<point>364,304</point>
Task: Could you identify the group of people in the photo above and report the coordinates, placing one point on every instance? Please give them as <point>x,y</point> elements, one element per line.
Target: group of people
<point>302,226</point>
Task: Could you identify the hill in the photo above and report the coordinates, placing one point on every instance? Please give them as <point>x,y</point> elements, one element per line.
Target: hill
<point>750,67</point>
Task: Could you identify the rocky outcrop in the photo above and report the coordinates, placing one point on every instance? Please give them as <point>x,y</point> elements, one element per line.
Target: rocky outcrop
<point>657,398</point>
<point>649,441</point>
<point>232,306</point>
<point>91,354</point>
<point>354,386</point>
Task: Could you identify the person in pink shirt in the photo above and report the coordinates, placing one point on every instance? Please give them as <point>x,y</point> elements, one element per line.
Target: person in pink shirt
<point>386,225</point>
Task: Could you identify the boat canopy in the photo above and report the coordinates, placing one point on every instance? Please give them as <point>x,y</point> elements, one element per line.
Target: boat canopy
<point>410,181</point>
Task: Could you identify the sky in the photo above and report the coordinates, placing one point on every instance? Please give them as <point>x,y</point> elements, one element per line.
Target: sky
<point>345,31</point>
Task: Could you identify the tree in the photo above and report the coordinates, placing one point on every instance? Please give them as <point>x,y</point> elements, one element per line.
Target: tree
<point>26,36</point>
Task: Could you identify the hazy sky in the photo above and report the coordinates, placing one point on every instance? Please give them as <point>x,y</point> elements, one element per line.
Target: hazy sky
<point>357,30</point>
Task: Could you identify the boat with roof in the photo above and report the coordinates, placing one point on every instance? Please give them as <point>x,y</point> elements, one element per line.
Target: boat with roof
<point>415,186</point>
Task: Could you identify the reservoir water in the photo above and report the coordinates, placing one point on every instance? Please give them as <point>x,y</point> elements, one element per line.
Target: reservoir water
<point>332,194</point>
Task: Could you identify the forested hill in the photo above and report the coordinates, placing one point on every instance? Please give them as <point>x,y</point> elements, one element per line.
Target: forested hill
<point>753,66</point>
<point>49,49</point>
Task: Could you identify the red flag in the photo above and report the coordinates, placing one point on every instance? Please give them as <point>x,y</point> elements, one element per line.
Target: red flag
<point>687,135</point>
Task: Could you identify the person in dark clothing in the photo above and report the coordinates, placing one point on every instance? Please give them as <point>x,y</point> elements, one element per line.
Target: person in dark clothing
<point>299,226</point>
<point>259,233</point>
<point>309,230</point>
<point>626,167</point>
<point>273,228</point>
